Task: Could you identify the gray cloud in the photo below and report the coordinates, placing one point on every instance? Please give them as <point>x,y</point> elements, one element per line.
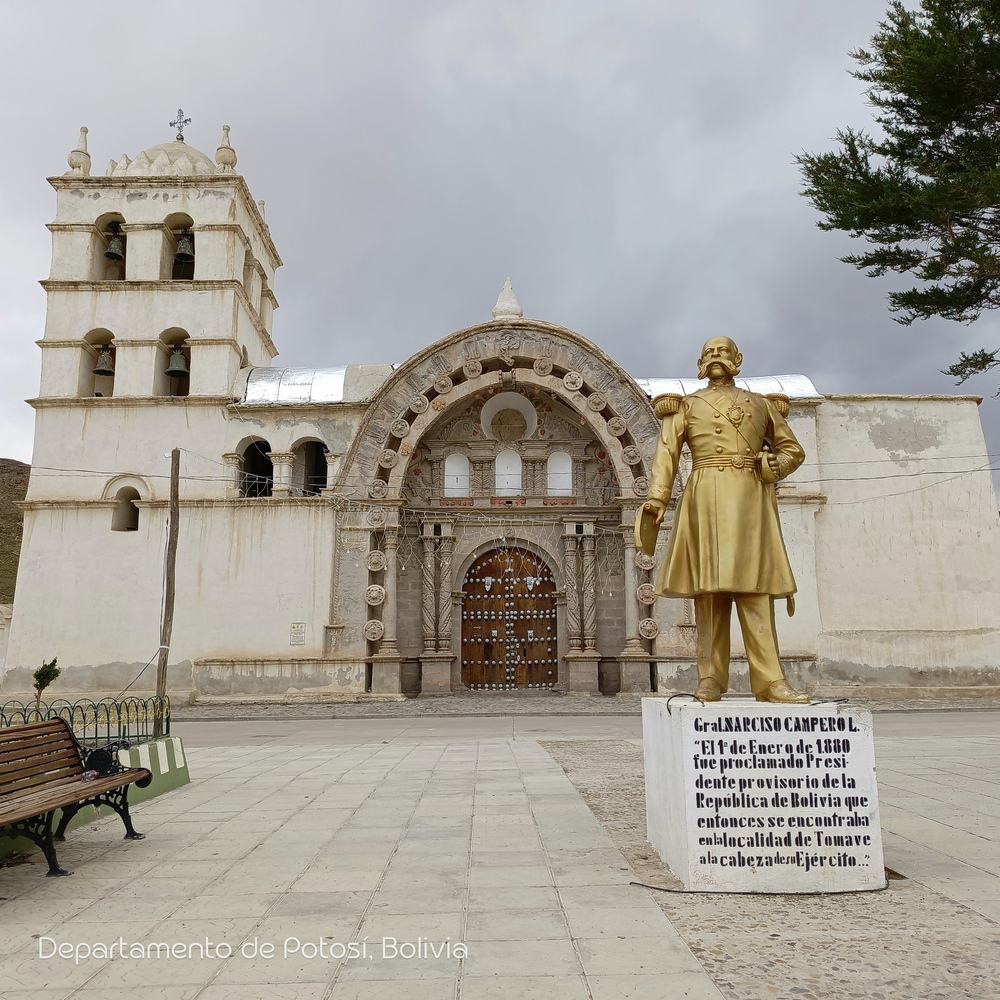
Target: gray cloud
<point>630,165</point>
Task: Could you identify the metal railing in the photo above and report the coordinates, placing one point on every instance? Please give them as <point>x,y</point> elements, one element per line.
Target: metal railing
<point>97,722</point>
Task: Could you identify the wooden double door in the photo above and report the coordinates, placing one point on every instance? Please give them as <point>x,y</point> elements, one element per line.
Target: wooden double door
<point>509,622</point>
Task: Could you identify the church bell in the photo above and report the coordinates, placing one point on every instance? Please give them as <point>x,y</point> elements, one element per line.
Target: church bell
<point>105,362</point>
<point>185,249</point>
<point>177,366</point>
<point>116,243</point>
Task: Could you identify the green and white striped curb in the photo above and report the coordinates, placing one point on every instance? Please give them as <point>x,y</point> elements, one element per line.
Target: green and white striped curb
<point>165,758</point>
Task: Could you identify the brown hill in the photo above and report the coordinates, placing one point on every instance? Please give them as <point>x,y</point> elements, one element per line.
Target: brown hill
<point>13,486</point>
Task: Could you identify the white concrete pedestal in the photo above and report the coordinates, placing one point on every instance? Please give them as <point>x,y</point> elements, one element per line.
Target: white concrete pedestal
<point>749,797</point>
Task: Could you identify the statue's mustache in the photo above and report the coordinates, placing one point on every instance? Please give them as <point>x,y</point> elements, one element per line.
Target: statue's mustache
<point>705,363</point>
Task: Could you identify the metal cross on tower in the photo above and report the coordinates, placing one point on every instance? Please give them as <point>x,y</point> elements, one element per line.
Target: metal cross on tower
<point>179,123</point>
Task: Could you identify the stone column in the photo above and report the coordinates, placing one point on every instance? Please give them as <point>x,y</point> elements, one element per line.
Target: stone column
<point>634,660</point>
<point>234,473</point>
<point>589,543</point>
<point>572,593</point>
<point>445,599</point>
<point>389,606</point>
<point>581,660</point>
<point>282,462</point>
<point>436,659</point>
<point>333,460</point>
<point>428,590</point>
<point>633,644</point>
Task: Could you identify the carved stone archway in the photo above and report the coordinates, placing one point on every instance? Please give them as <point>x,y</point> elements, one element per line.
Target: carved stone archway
<point>502,355</point>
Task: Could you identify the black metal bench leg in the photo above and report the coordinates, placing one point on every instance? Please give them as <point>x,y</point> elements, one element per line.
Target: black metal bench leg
<point>39,830</point>
<point>68,812</point>
<point>118,800</point>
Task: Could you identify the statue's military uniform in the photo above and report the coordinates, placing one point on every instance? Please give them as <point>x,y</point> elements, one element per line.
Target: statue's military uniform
<point>726,543</point>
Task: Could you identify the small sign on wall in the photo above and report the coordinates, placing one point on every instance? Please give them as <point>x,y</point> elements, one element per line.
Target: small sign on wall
<point>297,634</point>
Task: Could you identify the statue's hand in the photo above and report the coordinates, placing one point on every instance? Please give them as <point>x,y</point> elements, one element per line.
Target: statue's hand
<point>658,508</point>
<point>770,471</point>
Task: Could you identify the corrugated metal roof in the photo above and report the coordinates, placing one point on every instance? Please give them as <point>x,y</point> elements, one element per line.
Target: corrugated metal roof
<point>793,386</point>
<point>290,386</point>
<point>308,386</point>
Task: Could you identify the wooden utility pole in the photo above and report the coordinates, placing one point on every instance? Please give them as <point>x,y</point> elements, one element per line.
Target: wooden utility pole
<point>169,578</point>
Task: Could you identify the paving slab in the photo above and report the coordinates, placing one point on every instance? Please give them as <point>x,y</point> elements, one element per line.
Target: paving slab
<point>451,830</point>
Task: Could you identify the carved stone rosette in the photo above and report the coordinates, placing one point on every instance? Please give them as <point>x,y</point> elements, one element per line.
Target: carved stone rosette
<point>375,595</point>
<point>648,628</point>
<point>472,369</point>
<point>646,593</point>
<point>373,630</point>
<point>419,404</point>
<point>375,561</point>
<point>617,426</point>
<point>644,561</point>
<point>542,367</point>
<point>573,381</point>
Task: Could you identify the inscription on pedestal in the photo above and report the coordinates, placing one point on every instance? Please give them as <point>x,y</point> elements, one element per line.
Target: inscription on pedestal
<point>744,797</point>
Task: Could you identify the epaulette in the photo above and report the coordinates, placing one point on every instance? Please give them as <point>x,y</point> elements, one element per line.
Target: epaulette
<point>781,402</point>
<point>665,404</point>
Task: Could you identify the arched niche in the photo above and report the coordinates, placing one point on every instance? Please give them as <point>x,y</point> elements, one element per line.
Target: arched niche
<point>503,357</point>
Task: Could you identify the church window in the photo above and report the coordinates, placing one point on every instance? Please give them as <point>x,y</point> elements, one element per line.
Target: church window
<point>126,512</point>
<point>112,245</point>
<point>456,475</point>
<point>173,364</point>
<point>508,474</point>
<point>257,472</point>
<point>178,248</point>
<point>97,364</point>
<point>559,474</point>
<point>309,468</point>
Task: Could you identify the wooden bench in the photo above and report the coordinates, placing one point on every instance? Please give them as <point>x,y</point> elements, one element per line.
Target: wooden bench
<point>42,768</point>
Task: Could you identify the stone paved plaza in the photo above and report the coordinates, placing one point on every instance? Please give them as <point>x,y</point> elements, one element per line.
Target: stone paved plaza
<point>471,830</point>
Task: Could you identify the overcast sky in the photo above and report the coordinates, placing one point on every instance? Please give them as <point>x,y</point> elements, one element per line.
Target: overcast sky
<point>628,164</point>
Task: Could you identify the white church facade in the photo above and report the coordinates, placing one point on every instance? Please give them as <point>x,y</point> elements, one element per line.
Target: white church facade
<point>460,521</point>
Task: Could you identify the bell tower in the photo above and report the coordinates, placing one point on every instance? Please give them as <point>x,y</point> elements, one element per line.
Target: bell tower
<point>162,276</point>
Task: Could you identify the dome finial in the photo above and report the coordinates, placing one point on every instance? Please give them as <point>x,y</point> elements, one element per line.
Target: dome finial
<point>507,306</point>
<point>79,158</point>
<point>225,155</point>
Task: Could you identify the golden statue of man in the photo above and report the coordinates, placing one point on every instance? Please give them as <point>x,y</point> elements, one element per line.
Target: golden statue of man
<point>726,546</point>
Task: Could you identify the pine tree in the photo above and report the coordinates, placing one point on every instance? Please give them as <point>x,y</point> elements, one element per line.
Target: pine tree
<point>925,192</point>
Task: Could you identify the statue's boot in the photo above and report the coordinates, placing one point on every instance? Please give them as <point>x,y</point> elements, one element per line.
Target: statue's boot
<point>708,689</point>
<point>782,693</point>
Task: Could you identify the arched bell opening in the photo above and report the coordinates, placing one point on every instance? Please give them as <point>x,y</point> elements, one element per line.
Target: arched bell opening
<point>110,248</point>
<point>173,364</point>
<point>97,364</point>
<point>177,262</point>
